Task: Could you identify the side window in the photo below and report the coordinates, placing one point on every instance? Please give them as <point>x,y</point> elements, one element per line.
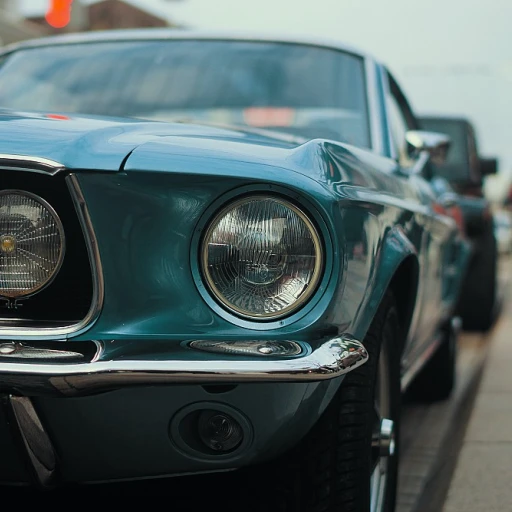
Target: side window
<point>401,120</point>
<point>399,128</point>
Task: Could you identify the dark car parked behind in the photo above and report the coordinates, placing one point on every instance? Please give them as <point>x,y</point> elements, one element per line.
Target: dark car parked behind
<point>465,170</point>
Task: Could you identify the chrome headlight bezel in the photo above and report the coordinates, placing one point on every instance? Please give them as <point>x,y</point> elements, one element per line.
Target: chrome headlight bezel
<point>319,266</point>
<point>60,228</point>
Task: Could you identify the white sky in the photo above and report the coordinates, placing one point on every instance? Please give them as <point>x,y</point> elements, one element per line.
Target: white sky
<point>450,56</point>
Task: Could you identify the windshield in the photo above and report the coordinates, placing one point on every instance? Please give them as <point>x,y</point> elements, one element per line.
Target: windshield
<point>456,167</point>
<point>300,89</point>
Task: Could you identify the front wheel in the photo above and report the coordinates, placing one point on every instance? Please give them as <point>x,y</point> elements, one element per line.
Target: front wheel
<point>348,462</point>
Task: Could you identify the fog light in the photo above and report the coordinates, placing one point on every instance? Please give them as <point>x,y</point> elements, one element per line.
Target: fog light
<point>219,431</point>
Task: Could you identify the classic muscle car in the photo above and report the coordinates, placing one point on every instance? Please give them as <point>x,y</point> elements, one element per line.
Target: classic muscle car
<point>217,252</point>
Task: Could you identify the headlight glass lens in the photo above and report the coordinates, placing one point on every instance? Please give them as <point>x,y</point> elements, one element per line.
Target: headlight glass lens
<point>262,257</point>
<point>31,243</point>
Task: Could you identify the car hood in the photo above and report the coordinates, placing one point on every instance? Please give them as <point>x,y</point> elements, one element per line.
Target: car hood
<point>102,143</point>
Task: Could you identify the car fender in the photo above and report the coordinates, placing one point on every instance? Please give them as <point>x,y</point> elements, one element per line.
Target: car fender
<point>397,268</point>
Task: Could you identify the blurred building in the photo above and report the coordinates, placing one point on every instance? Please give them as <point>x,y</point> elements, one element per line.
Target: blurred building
<point>108,14</point>
<point>103,15</point>
<point>13,26</point>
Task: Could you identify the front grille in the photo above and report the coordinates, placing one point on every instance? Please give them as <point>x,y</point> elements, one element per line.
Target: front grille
<point>67,299</point>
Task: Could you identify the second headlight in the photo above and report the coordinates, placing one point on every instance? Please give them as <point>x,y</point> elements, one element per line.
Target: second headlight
<point>262,257</point>
<point>31,244</point>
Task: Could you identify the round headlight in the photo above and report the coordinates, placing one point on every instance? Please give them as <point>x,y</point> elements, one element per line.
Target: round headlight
<point>262,257</point>
<point>31,243</point>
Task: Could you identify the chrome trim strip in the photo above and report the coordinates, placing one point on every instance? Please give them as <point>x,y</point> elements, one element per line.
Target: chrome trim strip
<point>30,164</point>
<point>374,114</point>
<point>98,292</point>
<point>36,443</point>
<point>166,34</point>
<point>331,359</point>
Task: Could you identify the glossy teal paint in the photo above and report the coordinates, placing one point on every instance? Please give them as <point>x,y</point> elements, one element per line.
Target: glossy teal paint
<point>92,142</point>
<point>280,415</point>
<point>149,217</point>
<point>146,224</point>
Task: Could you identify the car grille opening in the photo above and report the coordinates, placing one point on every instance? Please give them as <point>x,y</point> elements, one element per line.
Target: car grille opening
<point>67,299</point>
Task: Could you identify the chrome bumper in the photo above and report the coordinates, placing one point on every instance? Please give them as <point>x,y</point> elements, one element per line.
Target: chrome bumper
<point>331,359</point>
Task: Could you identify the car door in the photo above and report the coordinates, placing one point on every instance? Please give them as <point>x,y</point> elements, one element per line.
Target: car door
<point>428,232</point>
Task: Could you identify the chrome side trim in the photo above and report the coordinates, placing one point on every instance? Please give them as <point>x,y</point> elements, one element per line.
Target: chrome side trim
<point>35,441</point>
<point>98,292</point>
<point>30,164</point>
<point>331,359</point>
<point>373,105</point>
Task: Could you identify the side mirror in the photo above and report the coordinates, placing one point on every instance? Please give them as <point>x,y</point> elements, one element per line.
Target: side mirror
<point>435,144</point>
<point>488,166</point>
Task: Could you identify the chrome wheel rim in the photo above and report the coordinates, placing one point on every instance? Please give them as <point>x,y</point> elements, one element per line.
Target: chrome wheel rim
<point>383,439</point>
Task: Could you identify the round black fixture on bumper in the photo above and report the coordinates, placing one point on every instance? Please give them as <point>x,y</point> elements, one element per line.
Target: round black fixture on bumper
<point>219,431</point>
<point>211,431</point>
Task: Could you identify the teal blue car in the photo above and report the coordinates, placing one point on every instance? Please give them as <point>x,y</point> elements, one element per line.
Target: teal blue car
<point>217,252</point>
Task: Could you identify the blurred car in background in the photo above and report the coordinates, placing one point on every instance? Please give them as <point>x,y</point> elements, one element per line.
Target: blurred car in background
<point>249,282</point>
<point>464,170</point>
<point>503,230</point>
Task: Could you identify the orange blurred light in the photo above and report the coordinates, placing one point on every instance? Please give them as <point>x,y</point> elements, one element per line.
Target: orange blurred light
<point>58,14</point>
<point>269,116</point>
<point>59,117</point>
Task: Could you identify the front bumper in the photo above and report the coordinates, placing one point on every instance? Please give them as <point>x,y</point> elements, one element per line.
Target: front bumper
<point>122,419</point>
<point>27,370</point>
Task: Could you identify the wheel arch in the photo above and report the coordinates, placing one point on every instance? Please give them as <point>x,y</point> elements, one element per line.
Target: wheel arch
<point>398,272</point>
<point>404,285</point>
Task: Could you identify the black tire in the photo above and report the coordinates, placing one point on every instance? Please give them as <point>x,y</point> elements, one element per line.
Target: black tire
<point>437,379</point>
<point>330,470</point>
<point>477,305</point>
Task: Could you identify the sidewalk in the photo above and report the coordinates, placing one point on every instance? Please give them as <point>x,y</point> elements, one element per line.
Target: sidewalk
<point>482,481</point>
